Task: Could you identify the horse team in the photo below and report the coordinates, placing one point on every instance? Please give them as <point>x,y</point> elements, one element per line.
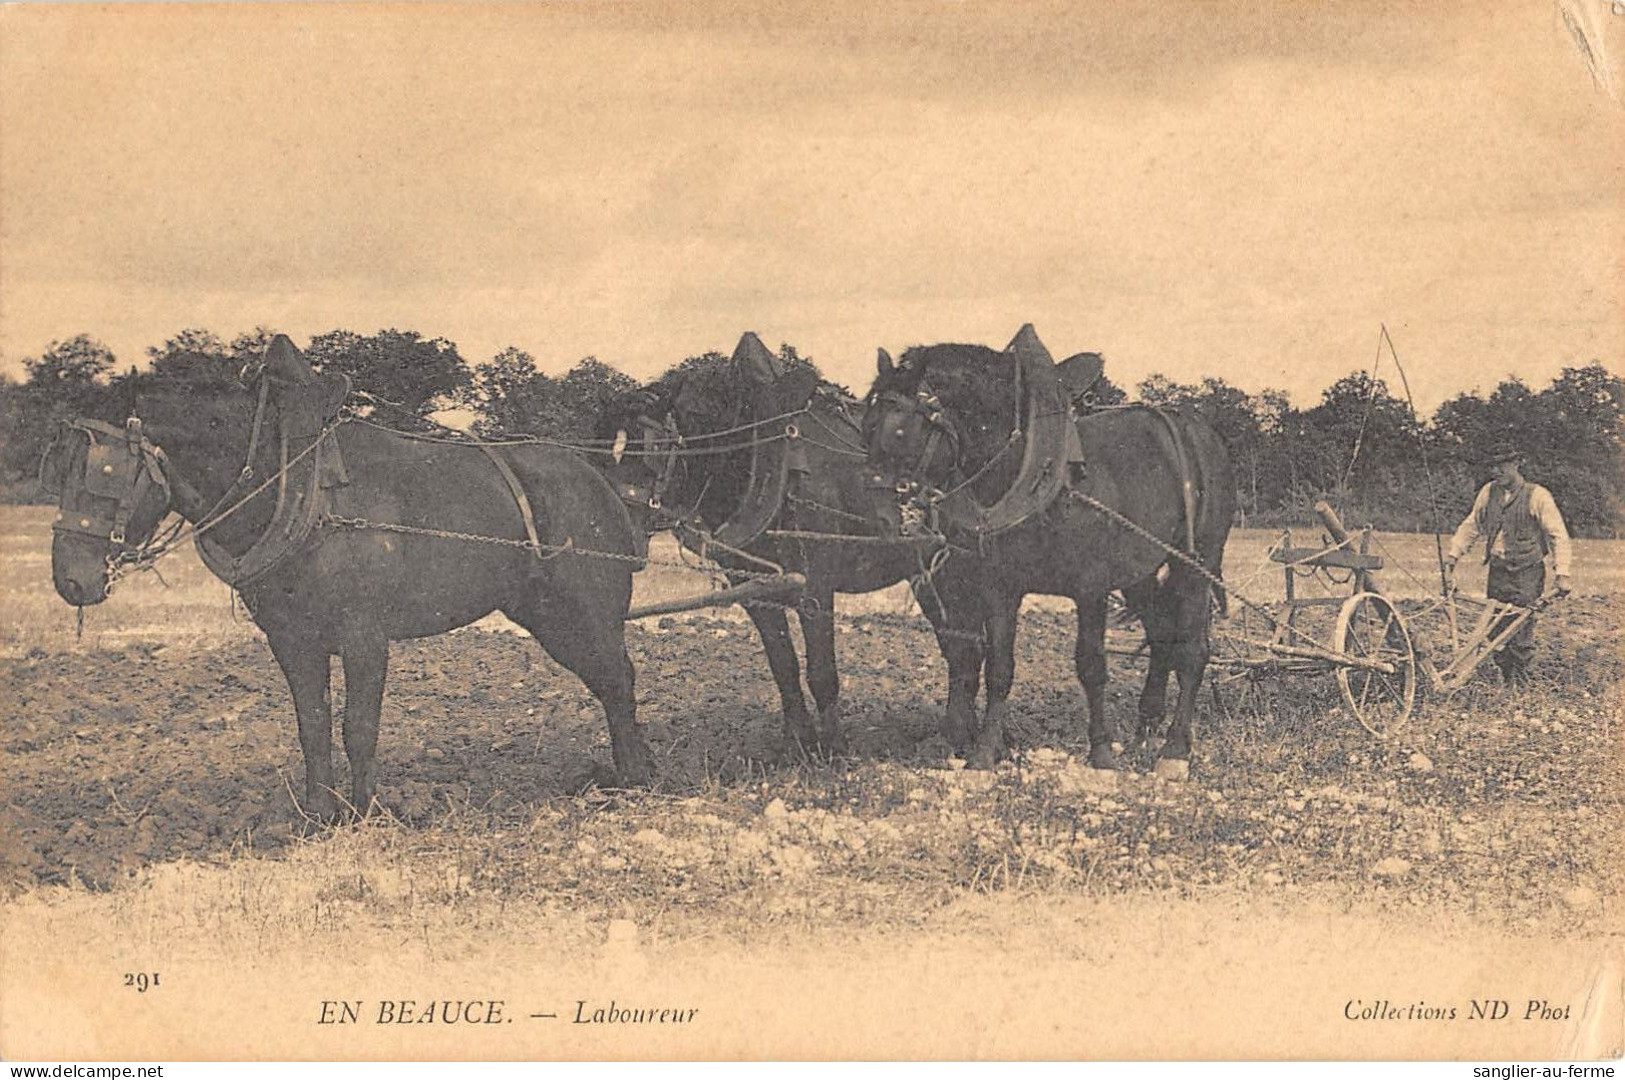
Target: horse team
<point>968,471</point>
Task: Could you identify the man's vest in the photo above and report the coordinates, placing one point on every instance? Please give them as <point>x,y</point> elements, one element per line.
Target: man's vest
<point>1521,532</point>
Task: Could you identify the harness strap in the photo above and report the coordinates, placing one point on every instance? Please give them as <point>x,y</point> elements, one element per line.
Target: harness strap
<point>1187,484</point>
<point>127,500</point>
<point>526,515</point>
<point>145,471</point>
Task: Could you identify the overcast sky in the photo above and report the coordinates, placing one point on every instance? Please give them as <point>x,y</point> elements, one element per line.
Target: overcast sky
<point>1243,190</point>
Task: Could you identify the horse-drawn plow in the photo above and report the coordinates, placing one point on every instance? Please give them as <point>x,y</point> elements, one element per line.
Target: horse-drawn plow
<point>1384,653</point>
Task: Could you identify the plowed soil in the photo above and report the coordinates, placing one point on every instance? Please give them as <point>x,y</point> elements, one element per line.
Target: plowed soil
<point>121,758</point>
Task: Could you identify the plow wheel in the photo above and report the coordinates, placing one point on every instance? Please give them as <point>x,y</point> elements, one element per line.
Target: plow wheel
<point>1369,628</point>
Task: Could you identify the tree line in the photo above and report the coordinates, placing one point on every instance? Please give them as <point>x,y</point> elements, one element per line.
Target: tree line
<point>1360,446</point>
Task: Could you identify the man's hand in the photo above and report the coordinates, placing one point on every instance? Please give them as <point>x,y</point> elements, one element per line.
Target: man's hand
<point>1563,585</point>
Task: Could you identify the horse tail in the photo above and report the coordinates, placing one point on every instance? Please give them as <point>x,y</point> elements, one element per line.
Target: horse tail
<point>1210,504</point>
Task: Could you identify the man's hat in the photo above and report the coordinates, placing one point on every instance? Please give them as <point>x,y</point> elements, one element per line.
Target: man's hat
<point>1499,452</point>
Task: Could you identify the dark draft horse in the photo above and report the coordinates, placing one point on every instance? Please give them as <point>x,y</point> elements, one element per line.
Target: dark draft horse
<point>340,553</point>
<point>737,421</point>
<point>942,418</point>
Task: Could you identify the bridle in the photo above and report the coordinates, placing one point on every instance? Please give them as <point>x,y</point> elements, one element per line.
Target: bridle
<point>939,430</point>
<point>121,466</point>
<point>655,435</point>
<point>665,439</point>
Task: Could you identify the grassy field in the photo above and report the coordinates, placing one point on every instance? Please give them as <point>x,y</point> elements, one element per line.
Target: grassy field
<point>891,903</point>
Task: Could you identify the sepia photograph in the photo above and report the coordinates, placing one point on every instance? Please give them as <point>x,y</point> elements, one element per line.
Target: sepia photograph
<point>918,532</point>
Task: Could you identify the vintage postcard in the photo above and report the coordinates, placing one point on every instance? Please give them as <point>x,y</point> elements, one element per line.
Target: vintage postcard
<point>907,531</point>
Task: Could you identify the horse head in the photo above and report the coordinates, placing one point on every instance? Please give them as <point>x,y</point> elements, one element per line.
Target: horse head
<point>117,484</point>
<point>937,416</point>
<point>633,441</point>
<point>113,494</point>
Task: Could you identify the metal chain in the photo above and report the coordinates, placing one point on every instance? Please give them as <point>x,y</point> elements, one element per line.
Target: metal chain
<point>1187,559</point>
<point>553,550</point>
<point>795,499</point>
<point>343,522</point>
<point>681,449</point>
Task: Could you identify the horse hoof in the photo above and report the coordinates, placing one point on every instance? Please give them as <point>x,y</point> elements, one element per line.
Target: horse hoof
<point>635,767</point>
<point>1172,769</point>
<point>989,749</point>
<point>833,746</point>
<point>632,778</point>
<point>1101,757</point>
<point>321,812</point>
<point>799,730</point>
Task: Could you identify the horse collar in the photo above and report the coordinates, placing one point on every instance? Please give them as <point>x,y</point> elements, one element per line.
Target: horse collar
<point>300,507</point>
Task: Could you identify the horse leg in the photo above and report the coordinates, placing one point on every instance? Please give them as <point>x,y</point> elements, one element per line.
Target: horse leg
<point>306,668</point>
<point>818,630</point>
<point>1160,635</point>
<point>959,636</point>
<point>1090,657</point>
<point>1000,668</point>
<point>1190,657</point>
<point>365,656</point>
<point>774,628</point>
<point>593,645</point>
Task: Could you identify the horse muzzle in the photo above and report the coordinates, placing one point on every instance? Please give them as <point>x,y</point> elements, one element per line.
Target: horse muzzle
<point>81,581</point>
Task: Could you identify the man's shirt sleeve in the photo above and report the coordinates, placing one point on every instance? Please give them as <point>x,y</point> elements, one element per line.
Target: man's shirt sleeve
<point>1467,531</point>
<point>1544,507</point>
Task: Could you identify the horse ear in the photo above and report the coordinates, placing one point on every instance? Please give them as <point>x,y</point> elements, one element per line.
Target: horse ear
<point>752,358</point>
<point>285,363</point>
<point>883,363</point>
<point>1025,345</point>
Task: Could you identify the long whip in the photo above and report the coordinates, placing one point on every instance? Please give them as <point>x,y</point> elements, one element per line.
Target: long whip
<point>1427,470</point>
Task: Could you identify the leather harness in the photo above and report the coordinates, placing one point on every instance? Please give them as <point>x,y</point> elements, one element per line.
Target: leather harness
<point>121,469</point>
<point>121,465</point>
<point>1051,449</point>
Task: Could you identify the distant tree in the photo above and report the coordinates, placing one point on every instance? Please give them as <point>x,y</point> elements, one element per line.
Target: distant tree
<point>790,358</point>
<point>69,379</point>
<point>251,345</point>
<point>1570,434</point>
<point>1159,390</point>
<point>400,366</point>
<point>582,394</point>
<point>1579,436</point>
<point>1250,426</point>
<point>65,365</point>
<point>1361,445</point>
<point>509,395</point>
<point>1107,394</point>
<point>706,363</point>
<point>193,359</point>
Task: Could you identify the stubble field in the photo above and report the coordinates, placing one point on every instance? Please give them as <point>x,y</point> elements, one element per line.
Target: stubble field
<point>151,766</point>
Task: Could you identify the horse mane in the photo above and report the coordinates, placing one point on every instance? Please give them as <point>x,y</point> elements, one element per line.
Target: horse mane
<point>960,375</point>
